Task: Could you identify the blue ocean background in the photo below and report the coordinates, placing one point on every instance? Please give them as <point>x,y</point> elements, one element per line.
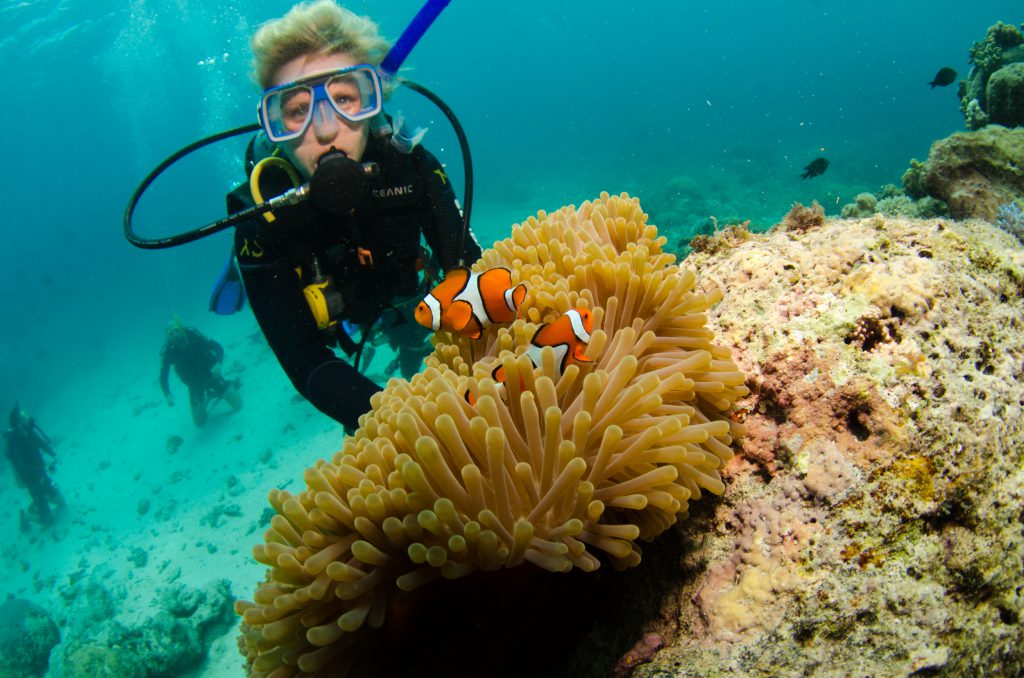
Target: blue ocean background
<point>559,100</point>
<point>699,109</point>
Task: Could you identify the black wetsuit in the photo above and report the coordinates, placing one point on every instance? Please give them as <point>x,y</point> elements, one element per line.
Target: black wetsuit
<point>193,356</point>
<point>411,196</point>
<point>25,448</point>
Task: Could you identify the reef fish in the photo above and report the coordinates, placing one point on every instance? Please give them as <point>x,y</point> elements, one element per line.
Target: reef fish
<point>568,336</point>
<point>944,77</point>
<point>815,168</point>
<point>466,302</point>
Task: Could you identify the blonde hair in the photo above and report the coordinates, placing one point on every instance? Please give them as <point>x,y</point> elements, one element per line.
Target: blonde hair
<point>320,27</point>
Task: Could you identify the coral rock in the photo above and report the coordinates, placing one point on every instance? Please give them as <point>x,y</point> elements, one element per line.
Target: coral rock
<point>862,206</point>
<point>1001,47</point>
<point>976,172</point>
<point>872,521</point>
<point>1005,95</point>
<point>26,638</point>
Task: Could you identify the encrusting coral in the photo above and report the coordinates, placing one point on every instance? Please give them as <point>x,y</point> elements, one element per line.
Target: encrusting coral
<point>871,524</point>
<point>553,470</point>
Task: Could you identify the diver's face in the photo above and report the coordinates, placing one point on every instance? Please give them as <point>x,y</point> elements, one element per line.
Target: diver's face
<point>325,132</point>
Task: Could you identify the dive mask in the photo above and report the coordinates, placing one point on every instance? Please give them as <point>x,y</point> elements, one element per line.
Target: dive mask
<point>354,93</point>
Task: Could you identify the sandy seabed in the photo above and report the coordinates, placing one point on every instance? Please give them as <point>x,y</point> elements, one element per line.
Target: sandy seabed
<point>154,501</point>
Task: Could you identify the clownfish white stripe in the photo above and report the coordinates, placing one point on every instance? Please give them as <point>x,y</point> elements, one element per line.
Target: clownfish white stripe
<point>577,325</point>
<point>533,352</point>
<point>510,303</point>
<point>471,295</point>
<point>435,310</point>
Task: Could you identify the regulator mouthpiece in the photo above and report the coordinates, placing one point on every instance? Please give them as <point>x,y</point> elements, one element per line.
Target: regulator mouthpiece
<point>339,183</point>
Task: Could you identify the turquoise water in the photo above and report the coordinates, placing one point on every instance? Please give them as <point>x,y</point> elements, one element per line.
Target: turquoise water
<point>560,101</point>
<point>700,110</point>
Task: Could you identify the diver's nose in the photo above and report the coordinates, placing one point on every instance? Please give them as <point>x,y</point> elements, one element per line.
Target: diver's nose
<point>325,122</point>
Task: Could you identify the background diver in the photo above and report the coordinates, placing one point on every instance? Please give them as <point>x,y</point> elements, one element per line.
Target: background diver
<point>26,444</point>
<point>197,361</point>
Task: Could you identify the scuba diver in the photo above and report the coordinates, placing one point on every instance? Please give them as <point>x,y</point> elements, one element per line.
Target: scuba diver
<point>328,228</point>
<point>197,361</point>
<point>26,444</point>
<point>357,248</point>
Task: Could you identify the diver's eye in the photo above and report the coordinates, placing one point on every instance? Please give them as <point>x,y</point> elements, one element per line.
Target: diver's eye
<point>294,106</point>
<point>296,112</point>
<point>345,94</point>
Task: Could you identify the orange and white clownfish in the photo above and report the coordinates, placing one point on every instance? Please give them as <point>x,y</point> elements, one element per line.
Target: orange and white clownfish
<point>568,336</point>
<point>466,302</point>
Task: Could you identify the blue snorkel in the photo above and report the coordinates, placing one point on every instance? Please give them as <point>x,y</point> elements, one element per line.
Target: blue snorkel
<point>388,68</point>
<point>410,36</point>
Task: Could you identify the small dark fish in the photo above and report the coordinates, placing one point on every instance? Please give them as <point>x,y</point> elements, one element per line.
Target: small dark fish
<point>944,77</point>
<point>816,167</point>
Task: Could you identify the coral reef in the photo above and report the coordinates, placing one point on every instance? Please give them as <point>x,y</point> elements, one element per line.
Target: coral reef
<point>896,202</point>
<point>913,180</point>
<point>1010,218</point>
<point>26,638</point>
<point>994,90</point>
<point>976,172</point>
<point>862,206</point>
<point>801,218</point>
<point>1005,95</point>
<point>904,206</point>
<point>168,643</point>
<point>871,523</point>
<point>729,236</point>
<point>555,473</point>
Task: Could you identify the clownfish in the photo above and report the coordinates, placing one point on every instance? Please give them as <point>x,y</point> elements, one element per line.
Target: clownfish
<point>466,302</point>
<point>568,336</point>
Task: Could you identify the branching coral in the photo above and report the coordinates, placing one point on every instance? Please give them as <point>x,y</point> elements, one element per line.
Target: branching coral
<point>554,471</point>
<point>871,330</point>
<point>986,54</point>
<point>992,91</point>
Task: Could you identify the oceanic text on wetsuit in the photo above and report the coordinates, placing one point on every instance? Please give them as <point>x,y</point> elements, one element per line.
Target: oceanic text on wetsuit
<point>392,191</point>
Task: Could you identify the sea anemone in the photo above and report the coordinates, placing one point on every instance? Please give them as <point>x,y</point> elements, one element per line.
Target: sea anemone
<point>558,469</point>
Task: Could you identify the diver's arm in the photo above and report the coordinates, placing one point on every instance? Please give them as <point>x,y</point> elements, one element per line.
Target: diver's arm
<point>333,386</point>
<point>44,440</point>
<point>44,444</point>
<point>444,230</point>
<point>341,392</point>
<point>165,370</point>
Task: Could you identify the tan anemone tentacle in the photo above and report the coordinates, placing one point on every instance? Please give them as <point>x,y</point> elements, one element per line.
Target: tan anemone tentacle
<point>561,468</point>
